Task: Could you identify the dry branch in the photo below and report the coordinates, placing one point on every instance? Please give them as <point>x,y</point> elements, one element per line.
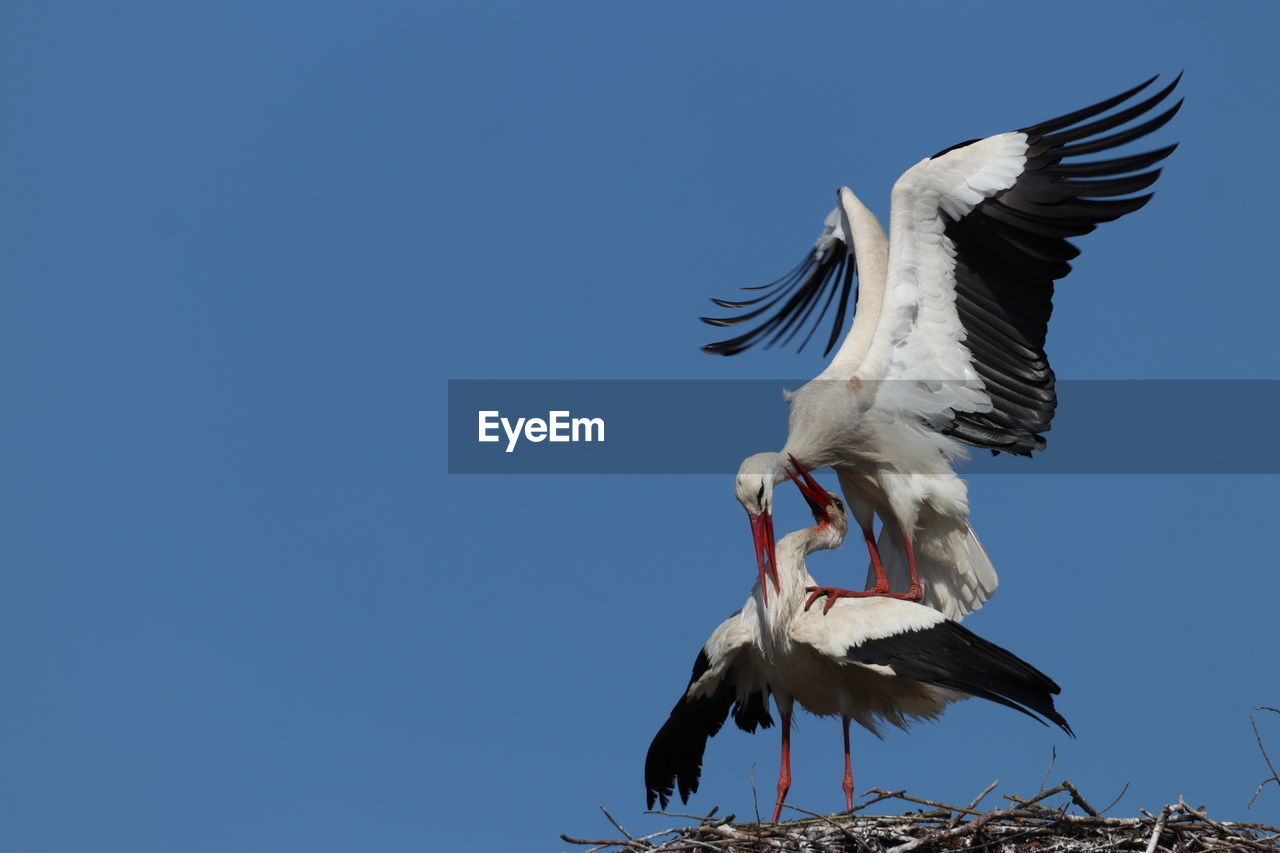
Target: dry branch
<point>1024,826</point>
<point>1274,777</point>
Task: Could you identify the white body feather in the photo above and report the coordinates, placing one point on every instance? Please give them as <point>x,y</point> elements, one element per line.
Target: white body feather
<point>801,656</point>
<point>873,660</point>
<point>949,326</point>
<point>901,374</point>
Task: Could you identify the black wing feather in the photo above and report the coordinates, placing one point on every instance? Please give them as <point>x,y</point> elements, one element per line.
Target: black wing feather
<point>826,270</point>
<point>1010,250</point>
<point>674,759</point>
<point>1012,247</point>
<point>950,655</point>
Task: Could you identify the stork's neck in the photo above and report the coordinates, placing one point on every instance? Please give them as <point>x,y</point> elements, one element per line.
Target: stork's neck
<point>793,574</point>
<point>802,543</point>
<point>871,253</point>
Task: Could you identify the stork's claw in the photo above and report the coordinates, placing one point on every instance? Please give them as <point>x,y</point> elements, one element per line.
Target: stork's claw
<point>835,593</point>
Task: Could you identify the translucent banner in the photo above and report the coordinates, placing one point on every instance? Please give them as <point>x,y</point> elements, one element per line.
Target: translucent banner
<point>663,426</point>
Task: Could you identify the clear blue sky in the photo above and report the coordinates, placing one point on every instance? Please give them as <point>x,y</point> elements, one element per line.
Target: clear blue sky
<point>246,244</point>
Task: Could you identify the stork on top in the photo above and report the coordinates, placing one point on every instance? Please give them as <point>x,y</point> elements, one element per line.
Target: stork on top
<point>946,347</point>
<point>871,660</point>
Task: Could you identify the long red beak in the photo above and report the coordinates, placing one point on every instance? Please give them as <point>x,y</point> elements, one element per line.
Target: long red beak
<point>766,557</point>
<point>814,495</point>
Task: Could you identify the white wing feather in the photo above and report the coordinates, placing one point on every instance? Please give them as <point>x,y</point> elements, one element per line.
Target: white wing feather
<point>735,636</point>
<point>957,574</point>
<point>919,337</point>
<point>854,621</point>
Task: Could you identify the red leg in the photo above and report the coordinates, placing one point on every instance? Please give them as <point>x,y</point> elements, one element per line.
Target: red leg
<point>915,592</point>
<point>877,566</point>
<point>784,765</point>
<point>881,590</point>
<point>847,784</point>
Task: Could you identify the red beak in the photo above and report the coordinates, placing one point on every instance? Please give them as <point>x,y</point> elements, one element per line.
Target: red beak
<point>814,495</point>
<point>766,558</point>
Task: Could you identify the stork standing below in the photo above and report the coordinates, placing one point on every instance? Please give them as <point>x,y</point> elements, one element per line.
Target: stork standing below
<point>868,659</point>
<point>947,344</point>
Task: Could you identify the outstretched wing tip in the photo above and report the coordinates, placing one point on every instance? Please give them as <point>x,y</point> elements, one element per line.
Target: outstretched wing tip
<point>1064,122</point>
<point>791,303</point>
<point>1012,246</point>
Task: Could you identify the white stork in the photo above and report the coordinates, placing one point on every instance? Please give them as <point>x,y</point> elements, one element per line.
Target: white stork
<point>867,659</point>
<point>947,343</point>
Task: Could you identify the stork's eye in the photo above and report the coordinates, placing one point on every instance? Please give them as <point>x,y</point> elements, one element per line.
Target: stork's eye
<point>839,503</point>
<point>760,495</point>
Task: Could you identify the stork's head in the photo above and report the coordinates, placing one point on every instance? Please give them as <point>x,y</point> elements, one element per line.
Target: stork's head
<point>754,490</point>
<point>757,475</point>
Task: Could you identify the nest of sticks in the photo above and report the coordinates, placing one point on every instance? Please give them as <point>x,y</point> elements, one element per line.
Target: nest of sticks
<point>1071,825</point>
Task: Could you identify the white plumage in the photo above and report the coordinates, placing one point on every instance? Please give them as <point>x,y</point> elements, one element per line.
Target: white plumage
<point>947,344</point>
<point>871,660</point>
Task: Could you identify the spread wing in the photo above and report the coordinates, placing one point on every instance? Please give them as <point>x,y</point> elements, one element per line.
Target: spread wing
<point>978,237</point>
<point>722,681</point>
<point>786,307</point>
<point>909,640</point>
<point>949,655</point>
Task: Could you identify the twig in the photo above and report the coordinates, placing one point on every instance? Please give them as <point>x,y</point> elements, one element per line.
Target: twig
<point>1004,839</point>
<point>1079,799</point>
<point>616,824</point>
<point>601,842</point>
<point>973,805</point>
<point>971,827</point>
<point>847,834</point>
<point>698,818</point>
<point>1274,777</point>
<point>1053,756</point>
<point>1204,817</point>
<point>1044,794</point>
<point>936,805</point>
<point>1108,806</point>
<point>1155,833</point>
<point>652,835</point>
<point>981,796</point>
<point>755,798</point>
<point>1023,827</point>
<point>881,796</point>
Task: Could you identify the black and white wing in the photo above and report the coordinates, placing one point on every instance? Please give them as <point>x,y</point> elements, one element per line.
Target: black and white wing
<point>990,220</point>
<point>786,307</point>
<point>949,655</point>
<point>978,236</point>
<point>909,640</point>
<point>723,680</point>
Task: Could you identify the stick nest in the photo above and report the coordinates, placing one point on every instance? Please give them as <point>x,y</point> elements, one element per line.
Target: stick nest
<point>1024,826</point>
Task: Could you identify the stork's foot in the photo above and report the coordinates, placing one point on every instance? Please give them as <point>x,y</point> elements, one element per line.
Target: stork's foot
<point>834,593</point>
